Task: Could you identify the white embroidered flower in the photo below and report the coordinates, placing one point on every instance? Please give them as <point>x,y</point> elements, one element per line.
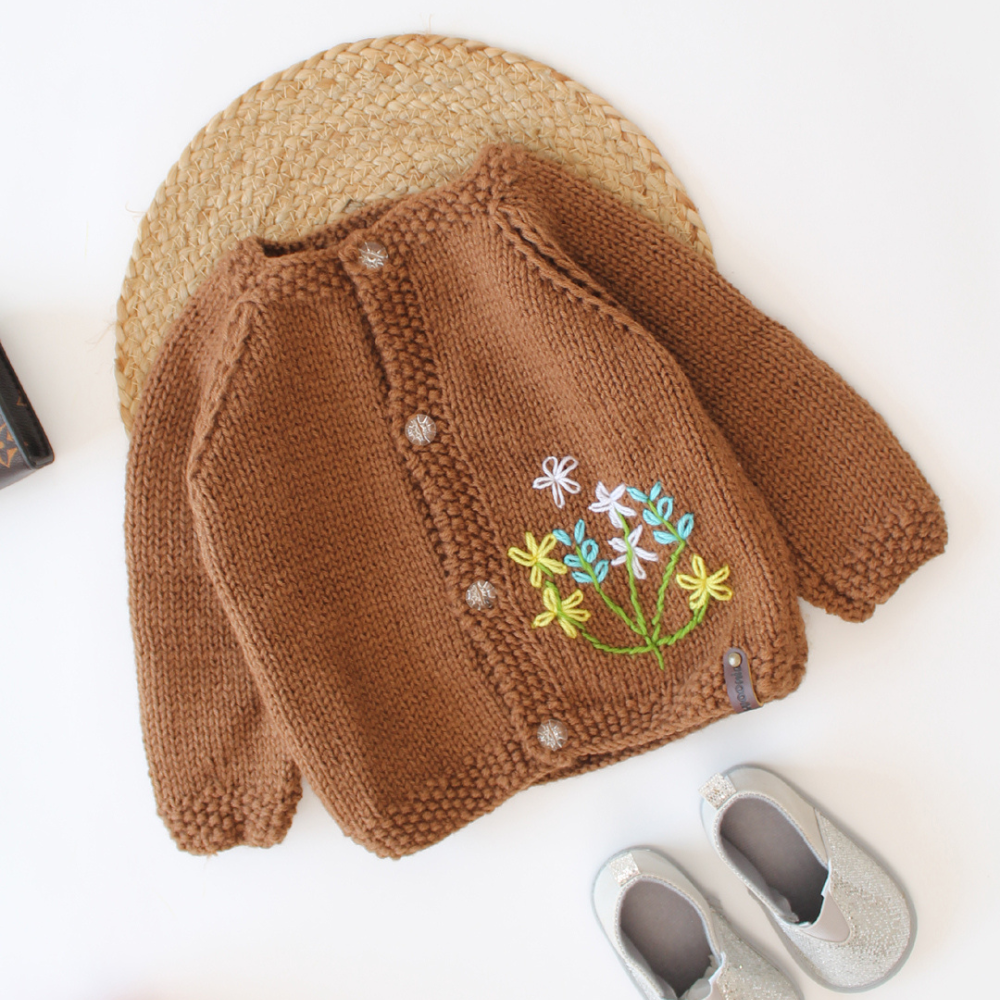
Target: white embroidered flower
<point>557,476</point>
<point>618,544</point>
<point>607,502</point>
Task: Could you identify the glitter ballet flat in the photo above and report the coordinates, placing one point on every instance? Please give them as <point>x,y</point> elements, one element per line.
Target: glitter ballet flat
<point>673,943</point>
<point>840,914</point>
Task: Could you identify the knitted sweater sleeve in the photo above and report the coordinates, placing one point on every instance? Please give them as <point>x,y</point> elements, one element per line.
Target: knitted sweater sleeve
<point>856,512</point>
<point>220,773</point>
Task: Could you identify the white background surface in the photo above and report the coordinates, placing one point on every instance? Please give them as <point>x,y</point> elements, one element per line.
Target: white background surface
<point>845,160</point>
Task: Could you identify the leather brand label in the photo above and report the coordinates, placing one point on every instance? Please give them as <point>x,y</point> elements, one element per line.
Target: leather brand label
<point>739,684</point>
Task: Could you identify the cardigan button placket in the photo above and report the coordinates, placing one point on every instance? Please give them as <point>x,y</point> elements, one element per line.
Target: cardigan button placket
<point>408,352</point>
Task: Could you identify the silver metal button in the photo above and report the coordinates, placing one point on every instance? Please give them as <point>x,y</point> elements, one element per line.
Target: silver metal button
<point>373,255</point>
<point>553,734</point>
<point>480,595</point>
<point>734,659</point>
<point>420,429</point>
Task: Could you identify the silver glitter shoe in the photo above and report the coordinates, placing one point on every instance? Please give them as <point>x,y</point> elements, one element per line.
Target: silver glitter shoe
<point>671,941</point>
<point>836,909</point>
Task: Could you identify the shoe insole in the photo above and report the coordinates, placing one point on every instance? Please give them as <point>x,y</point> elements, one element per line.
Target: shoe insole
<point>778,853</point>
<point>668,932</point>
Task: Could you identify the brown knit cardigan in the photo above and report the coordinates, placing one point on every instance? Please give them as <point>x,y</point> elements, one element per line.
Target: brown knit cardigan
<point>620,472</point>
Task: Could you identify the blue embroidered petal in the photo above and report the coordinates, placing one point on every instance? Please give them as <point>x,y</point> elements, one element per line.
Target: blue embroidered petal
<point>601,570</point>
<point>581,577</point>
<point>665,537</point>
<point>665,507</point>
<point>589,550</point>
<point>572,560</point>
<point>655,491</point>
<point>685,525</point>
<point>562,536</point>
<point>636,494</point>
<point>579,531</point>
<point>649,517</point>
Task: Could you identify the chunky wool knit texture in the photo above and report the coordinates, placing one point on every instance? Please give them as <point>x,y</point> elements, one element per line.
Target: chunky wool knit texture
<point>299,567</point>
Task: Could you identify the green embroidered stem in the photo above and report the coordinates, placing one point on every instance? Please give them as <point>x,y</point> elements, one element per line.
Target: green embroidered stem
<point>653,645</point>
<point>604,647</point>
<point>668,574</point>
<point>616,608</point>
<point>621,650</point>
<point>659,656</point>
<point>693,622</point>
<point>640,618</point>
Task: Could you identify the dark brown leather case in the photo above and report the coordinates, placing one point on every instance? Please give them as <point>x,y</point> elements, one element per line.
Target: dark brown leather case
<point>23,444</point>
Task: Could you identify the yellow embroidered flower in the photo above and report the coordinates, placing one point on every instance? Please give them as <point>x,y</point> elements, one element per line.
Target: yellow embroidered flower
<point>704,586</point>
<point>566,611</point>
<point>535,557</point>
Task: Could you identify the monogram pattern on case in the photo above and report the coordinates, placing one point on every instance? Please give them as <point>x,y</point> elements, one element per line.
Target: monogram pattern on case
<point>8,446</point>
<point>617,577</point>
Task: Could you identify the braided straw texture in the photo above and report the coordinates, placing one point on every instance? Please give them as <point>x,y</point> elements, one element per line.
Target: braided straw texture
<point>376,119</point>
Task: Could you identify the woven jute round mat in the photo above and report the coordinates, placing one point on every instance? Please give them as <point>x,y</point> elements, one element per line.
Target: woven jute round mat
<point>377,119</point>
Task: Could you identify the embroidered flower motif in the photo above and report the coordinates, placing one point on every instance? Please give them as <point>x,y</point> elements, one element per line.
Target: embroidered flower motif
<point>623,601</point>
<point>586,567</point>
<point>536,557</point>
<point>672,534</point>
<point>566,612</point>
<point>557,476</point>
<point>703,586</point>
<point>607,503</point>
<point>638,555</point>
